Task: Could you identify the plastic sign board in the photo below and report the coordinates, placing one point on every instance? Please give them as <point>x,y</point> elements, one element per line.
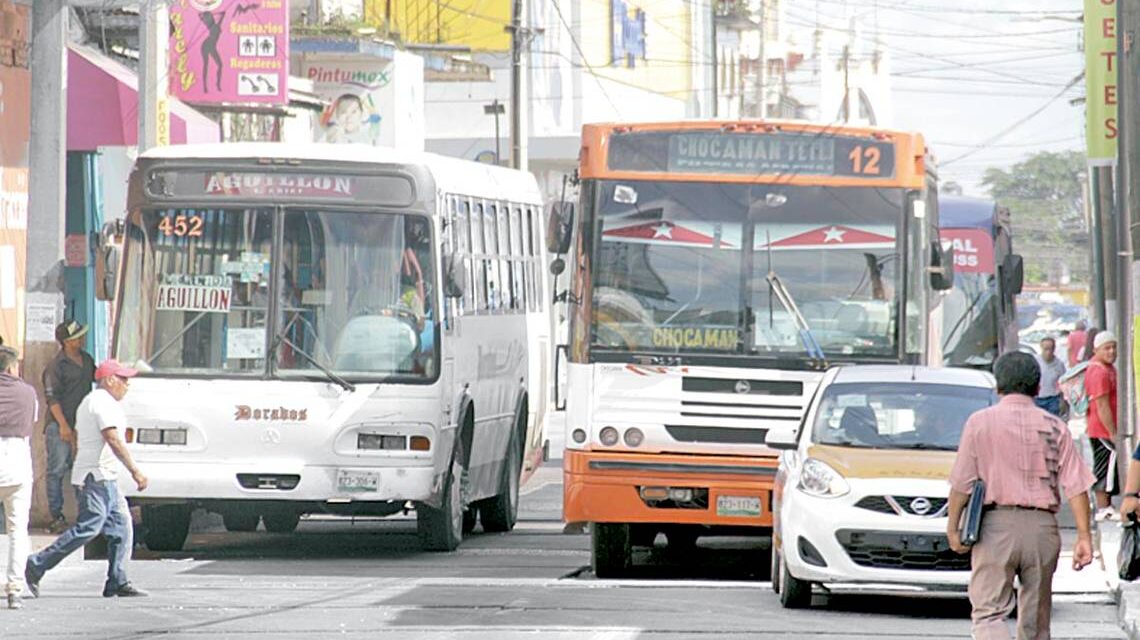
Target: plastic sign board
<point>1100,80</point>
<point>229,51</point>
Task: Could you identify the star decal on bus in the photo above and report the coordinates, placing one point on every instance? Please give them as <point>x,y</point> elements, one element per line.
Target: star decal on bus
<point>663,230</point>
<point>834,234</point>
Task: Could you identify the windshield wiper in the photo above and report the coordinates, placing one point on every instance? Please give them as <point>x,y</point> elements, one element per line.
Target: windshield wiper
<point>329,373</point>
<point>812,347</point>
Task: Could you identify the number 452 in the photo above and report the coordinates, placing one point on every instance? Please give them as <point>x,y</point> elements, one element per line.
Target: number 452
<point>181,226</point>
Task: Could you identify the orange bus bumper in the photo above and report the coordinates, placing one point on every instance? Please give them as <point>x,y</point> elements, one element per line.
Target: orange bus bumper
<point>605,487</point>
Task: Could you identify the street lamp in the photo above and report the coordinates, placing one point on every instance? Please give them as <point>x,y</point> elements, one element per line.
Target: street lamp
<point>496,109</point>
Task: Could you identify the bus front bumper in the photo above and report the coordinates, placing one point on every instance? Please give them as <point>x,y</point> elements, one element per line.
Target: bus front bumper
<point>283,480</point>
<point>727,491</point>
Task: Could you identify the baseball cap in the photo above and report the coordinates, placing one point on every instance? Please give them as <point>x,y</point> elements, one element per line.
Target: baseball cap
<point>112,367</point>
<point>69,330</point>
<point>1103,338</point>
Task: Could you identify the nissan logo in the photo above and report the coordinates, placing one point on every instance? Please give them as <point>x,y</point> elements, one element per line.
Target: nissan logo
<point>742,386</point>
<point>920,506</point>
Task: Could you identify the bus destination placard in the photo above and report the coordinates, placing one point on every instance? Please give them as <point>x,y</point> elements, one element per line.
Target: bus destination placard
<point>779,153</point>
<point>395,190</point>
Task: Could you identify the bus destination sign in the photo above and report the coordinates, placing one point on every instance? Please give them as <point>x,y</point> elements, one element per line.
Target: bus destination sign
<point>713,152</point>
<point>396,190</point>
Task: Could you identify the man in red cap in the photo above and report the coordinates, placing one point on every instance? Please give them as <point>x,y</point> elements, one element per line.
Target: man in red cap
<point>98,422</point>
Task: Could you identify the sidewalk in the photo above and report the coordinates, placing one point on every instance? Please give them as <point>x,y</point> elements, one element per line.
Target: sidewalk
<point>1127,593</point>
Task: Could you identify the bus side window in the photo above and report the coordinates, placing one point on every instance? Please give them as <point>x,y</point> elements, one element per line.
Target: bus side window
<point>490,234</point>
<point>506,269</point>
<point>452,307</point>
<point>473,231</point>
<point>531,270</point>
<point>479,250</point>
<point>518,261</point>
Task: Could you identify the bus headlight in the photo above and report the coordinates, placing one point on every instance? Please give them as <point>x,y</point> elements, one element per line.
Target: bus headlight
<point>578,435</point>
<point>820,480</point>
<point>634,437</point>
<point>608,436</point>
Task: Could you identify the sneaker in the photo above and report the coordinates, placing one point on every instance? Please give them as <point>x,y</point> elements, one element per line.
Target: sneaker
<point>14,601</point>
<point>1107,513</point>
<point>126,590</point>
<point>58,525</point>
<point>33,581</point>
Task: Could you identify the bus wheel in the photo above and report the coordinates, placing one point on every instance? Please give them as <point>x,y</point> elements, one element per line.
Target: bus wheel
<point>240,519</point>
<point>166,526</point>
<point>281,521</point>
<point>501,512</point>
<point>442,529</point>
<point>610,549</point>
<point>470,519</point>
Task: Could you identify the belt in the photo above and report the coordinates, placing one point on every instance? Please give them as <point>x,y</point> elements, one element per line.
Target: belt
<point>1014,507</point>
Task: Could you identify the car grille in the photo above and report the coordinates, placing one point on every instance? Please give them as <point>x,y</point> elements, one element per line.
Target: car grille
<point>900,550</point>
<point>904,505</point>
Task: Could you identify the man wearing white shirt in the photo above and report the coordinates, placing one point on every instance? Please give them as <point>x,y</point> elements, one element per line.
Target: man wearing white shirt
<point>19,411</point>
<point>98,422</point>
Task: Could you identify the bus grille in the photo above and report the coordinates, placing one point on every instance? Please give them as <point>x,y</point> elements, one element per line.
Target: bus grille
<point>720,435</point>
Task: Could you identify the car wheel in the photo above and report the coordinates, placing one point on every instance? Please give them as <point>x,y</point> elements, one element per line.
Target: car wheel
<point>611,552</point>
<point>774,567</point>
<point>794,593</point>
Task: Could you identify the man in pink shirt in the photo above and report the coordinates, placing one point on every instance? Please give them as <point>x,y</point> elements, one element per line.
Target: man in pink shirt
<point>1100,386</point>
<point>1077,340</point>
<point>1029,465</point>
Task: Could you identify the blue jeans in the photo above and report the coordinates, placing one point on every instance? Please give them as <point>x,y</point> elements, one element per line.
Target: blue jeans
<point>1052,404</point>
<point>59,460</point>
<point>100,511</point>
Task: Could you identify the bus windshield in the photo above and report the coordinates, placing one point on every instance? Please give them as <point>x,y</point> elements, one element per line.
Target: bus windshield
<point>971,308</point>
<point>682,267</point>
<point>352,294</point>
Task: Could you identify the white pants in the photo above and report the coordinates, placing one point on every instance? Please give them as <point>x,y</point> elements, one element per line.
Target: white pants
<point>17,501</point>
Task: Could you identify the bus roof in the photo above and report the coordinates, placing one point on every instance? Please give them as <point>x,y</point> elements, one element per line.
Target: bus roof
<point>958,212</point>
<point>452,175</point>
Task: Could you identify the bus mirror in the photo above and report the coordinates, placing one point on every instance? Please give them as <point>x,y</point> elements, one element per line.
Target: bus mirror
<point>454,281</point>
<point>557,266</point>
<point>941,267</point>
<point>1013,273</point>
<point>781,439</point>
<point>107,259</point>
<point>559,222</point>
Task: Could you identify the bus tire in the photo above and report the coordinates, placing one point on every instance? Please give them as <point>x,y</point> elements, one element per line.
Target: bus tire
<point>166,526</point>
<point>442,529</point>
<point>794,593</point>
<point>501,512</point>
<point>281,521</point>
<point>240,520</point>
<point>610,549</point>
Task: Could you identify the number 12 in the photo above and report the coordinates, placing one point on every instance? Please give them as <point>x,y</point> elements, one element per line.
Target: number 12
<point>865,160</point>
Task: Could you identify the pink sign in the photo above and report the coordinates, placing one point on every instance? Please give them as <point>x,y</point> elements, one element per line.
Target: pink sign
<point>973,249</point>
<point>229,51</point>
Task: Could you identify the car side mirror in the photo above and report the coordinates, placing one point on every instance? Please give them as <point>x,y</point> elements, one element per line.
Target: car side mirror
<point>454,277</point>
<point>782,439</point>
<point>559,222</point>
<point>1013,274</point>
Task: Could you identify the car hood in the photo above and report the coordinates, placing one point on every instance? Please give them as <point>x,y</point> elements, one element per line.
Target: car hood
<point>885,463</point>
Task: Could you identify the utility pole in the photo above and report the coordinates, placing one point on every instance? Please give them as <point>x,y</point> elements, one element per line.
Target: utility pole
<point>1128,271</point>
<point>154,105</point>
<point>762,73</point>
<point>1091,188</point>
<point>520,37</point>
<point>846,83</point>
<point>496,109</point>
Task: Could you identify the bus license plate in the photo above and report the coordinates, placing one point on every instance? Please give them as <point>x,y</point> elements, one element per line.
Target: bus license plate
<point>738,506</point>
<point>357,480</point>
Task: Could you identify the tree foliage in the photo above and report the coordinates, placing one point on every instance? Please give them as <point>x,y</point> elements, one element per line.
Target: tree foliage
<point>1044,195</point>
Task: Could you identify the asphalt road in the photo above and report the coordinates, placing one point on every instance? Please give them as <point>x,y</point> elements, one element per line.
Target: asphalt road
<point>368,579</point>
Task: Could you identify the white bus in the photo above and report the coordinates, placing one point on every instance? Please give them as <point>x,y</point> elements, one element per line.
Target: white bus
<point>340,329</point>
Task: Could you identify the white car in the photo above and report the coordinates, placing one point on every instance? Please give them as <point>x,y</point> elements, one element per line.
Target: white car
<point>862,488</point>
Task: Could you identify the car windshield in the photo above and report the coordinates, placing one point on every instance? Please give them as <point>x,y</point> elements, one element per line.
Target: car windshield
<point>897,415</point>
<point>683,268</point>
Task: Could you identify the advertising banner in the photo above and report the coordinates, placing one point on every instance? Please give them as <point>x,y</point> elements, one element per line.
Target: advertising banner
<point>226,51</point>
<point>1100,78</point>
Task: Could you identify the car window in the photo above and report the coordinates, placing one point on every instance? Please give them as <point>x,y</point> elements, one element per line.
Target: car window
<point>897,416</point>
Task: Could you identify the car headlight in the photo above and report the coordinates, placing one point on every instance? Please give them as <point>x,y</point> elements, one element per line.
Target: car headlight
<point>820,480</point>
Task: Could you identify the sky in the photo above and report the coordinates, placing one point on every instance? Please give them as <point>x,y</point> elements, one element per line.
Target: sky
<point>965,71</point>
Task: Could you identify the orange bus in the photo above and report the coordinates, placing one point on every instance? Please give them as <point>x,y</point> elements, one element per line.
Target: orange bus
<point>716,269</point>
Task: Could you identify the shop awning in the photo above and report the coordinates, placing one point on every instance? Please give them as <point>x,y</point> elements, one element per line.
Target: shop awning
<point>103,106</point>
